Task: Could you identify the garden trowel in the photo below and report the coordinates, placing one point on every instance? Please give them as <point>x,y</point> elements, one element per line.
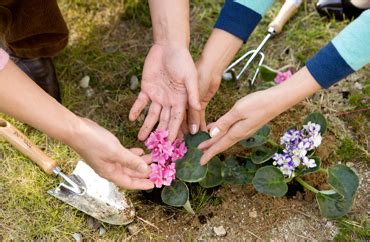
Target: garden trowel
<point>84,189</point>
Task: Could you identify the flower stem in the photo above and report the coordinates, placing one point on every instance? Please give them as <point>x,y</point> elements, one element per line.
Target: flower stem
<point>323,170</point>
<point>306,185</point>
<point>273,143</point>
<point>188,208</point>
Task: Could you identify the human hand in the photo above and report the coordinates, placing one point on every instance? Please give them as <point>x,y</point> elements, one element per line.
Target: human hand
<point>105,154</point>
<point>253,111</point>
<point>169,82</point>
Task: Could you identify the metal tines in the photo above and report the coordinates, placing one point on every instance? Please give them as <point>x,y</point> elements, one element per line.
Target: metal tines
<point>230,72</point>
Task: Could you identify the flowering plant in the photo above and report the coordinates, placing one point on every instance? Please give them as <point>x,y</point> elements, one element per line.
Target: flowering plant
<point>269,167</point>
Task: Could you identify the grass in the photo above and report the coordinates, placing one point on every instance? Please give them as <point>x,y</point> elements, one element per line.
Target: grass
<point>108,42</point>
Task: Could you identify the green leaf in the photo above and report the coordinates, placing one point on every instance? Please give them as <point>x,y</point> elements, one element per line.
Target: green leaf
<point>254,141</point>
<point>311,170</point>
<point>188,168</point>
<point>192,141</point>
<point>265,85</point>
<point>214,173</point>
<point>270,180</point>
<point>344,180</point>
<point>267,73</point>
<point>234,173</point>
<point>333,205</point>
<point>175,195</point>
<point>317,118</point>
<point>262,154</point>
<point>251,169</point>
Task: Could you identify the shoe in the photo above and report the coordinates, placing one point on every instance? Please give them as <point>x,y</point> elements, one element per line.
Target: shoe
<point>42,72</point>
<point>338,9</point>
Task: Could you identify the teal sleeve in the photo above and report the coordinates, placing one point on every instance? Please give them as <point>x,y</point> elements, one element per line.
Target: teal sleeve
<point>353,43</point>
<point>259,6</point>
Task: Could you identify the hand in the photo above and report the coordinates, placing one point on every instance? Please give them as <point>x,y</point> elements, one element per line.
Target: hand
<point>169,82</point>
<point>243,120</point>
<point>253,111</point>
<point>105,154</point>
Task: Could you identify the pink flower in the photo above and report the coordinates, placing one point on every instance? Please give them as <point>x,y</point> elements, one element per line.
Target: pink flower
<point>162,152</point>
<point>162,174</point>
<point>179,149</point>
<point>156,137</point>
<point>282,76</point>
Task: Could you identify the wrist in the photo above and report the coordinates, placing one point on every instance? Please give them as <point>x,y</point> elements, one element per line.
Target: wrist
<point>75,130</point>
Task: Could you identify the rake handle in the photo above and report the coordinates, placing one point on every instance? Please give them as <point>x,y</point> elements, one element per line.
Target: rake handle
<point>20,141</point>
<point>289,8</point>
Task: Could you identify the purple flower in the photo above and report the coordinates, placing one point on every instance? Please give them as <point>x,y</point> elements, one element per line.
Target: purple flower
<point>156,138</point>
<point>179,149</point>
<point>162,153</point>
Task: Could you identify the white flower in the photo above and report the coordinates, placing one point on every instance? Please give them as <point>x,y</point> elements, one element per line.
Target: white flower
<point>296,160</point>
<point>316,140</point>
<point>309,163</point>
<point>312,128</point>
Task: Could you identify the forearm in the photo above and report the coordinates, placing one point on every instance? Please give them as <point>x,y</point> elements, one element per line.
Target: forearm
<point>170,20</point>
<point>22,99</point>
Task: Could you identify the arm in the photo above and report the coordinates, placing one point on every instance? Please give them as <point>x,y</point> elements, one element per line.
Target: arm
<point>21,98</point>
<point>347,52</point>
<point>169,79</point>
<point>235,23</point>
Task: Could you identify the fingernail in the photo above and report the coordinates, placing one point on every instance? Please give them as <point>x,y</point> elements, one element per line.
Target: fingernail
<point>144,169</point>
<point>194,129</point>
<point>214,132</point>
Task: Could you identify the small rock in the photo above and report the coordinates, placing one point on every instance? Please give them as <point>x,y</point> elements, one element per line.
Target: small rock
<point>134,83</point>
<point>102,231</point>
<point>90,92</point>
<point>253,214</point>
<point>84,83</point>
<point>220,231</point>
<point>77,237</point>
<point>133,228</point>
<point>227,76</point>
<point>350,164</point>
<point>359,86</point>
<point>92,223</point>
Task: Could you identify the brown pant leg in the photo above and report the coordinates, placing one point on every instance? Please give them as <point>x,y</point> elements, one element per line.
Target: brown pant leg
<point>33,28</point>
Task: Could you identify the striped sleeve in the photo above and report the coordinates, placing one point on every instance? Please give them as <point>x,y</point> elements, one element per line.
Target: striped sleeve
<point>4,58</point>
<point>346,53</point>
<point>240,17</point>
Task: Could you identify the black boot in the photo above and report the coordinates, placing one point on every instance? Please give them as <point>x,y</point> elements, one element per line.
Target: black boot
<point>41,71</point>
<point>338,9</point>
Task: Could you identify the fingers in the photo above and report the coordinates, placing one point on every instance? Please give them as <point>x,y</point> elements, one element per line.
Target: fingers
<point>222,125</point>
<point>192,88</point>
<point>177,116</point>
<point>150,121</point>
<point>133,162</point>
<point>164,118</point>
<point>193,120</point>
<point>203,123</point>
<point>139,105</point>
<point>132,173</point>
<point>132,183</point>
<point>137,151</point>
<point>147,159</point>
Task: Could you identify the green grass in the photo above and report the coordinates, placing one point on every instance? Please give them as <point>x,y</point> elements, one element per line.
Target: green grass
<point>108,42</point>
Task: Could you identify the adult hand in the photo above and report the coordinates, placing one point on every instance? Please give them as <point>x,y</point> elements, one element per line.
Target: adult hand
<point>253,111</point>
<point>169,82</point>
<point>105,154</point>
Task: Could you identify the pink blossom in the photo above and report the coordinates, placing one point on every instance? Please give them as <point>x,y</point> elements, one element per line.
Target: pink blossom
<point>156,176</point>
<point>169,174</point>
<point>162,152</point>
<point>156,137</point>
<point>282,76</point>
<point>179,149</point>
<point>162,174</point>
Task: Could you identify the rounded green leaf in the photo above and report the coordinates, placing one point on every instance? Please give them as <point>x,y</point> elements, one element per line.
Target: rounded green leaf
<point>214,173</point>
<point>262,154</point>
<point>264,131</point>
<point>254,141</point>
<point>269,180</point>
<point>192,141</point>
<point>333,205</point>
<point>317,118</point>
<point>175,195</point>
<point>234,173</point>
<point>344,180</point>
<point>188,168</point>
<point>267,74</point>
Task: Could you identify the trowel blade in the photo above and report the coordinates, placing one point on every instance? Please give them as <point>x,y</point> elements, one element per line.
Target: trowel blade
<point>101,200</point>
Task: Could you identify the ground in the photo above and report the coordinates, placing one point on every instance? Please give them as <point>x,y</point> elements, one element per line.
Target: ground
<point>108,42</point>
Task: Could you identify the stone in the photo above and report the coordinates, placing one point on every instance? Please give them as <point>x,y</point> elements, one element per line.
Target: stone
<point>85,81</point>
<point>220,231</point>
<point>134,83</point>
<point>90,92</point>
<point>133,228</point>
<point>102,231</point>
<point>358,86</point>
<point>350,164</point>
<point>253,214</point>
<point>77,237</point>
<point>92,223</point>
<point>227,76</point>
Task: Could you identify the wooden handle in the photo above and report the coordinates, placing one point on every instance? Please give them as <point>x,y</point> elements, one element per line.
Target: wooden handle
<point>25,146</point>
<point>289,8</point>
